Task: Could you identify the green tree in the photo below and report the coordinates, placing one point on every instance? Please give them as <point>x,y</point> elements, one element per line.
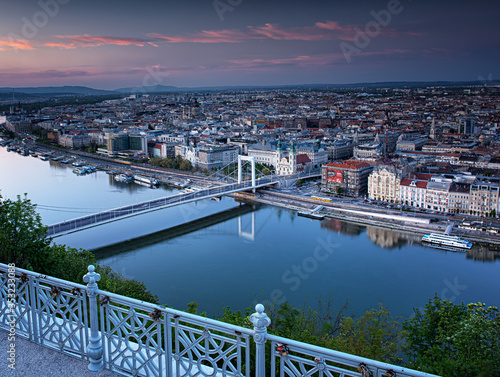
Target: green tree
<point>375,335</point>
<point>23,239</point>
<point>155,161</point>
<point>454,340</point>
<point>186,165</point>
<point>177,161</point>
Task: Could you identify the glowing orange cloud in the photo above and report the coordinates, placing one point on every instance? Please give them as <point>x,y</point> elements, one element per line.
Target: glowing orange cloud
<point>15,45</point>
<point>320,31</point>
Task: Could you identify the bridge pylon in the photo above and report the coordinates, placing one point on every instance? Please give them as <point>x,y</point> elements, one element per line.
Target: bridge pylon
<point>252,160</point>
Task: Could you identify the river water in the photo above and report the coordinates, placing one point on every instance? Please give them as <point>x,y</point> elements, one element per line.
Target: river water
<point>226,254</point>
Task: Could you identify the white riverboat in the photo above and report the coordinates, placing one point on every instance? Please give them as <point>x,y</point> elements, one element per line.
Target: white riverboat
<point>148,180</point>
<point>447,240</point>
<point>125,178</point>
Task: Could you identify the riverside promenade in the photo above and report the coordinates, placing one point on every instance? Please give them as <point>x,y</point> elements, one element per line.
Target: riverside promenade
<point>33,360</point>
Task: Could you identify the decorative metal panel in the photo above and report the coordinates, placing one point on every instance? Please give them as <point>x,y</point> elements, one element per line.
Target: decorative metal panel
<point>293,361</point>
<point>20,313</point>
<point>133,341</point>
<point>203,350</point>
<point>61,317</point>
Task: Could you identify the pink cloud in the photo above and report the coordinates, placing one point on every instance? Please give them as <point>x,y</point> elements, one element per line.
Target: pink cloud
<point>205,36</point>
<point>320,31</point>
<point>297,61</point>
<point>303,34</point>
<point>54,73</point>
<point>332,25</point>
<point>60,45</point>
<point>304,60</point>
<point>15,45</point>
<point>86,40</point>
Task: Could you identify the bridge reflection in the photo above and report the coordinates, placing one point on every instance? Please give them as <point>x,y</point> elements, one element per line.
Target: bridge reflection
<point>180,230</point>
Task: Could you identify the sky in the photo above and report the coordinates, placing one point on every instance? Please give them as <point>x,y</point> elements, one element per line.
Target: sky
<point>110,44</point>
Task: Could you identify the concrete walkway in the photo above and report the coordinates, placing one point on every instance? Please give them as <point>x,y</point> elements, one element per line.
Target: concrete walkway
<point>33,360</point>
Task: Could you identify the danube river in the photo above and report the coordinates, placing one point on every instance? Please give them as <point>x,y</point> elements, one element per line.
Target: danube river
<point>225,254</point>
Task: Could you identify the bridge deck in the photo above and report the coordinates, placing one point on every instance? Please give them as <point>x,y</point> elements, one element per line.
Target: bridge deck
<point>115,214</point>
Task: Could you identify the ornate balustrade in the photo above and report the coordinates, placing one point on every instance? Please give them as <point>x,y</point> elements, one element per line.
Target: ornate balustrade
<point>137,338</point>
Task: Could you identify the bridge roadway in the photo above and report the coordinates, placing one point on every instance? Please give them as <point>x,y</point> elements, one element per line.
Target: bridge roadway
<point>115,214</point>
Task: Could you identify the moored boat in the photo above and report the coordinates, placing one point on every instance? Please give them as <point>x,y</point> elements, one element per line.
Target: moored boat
<point>447,240</point>
<point>148,180</point>
<point>125,178</point>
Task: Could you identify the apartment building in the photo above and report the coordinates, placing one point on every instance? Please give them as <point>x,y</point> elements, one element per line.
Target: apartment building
<point>483,200</point>
<point>341,149</point>
<point>413,192</point>
<point>384,183</point>
<point>459,198</point>
<point>215,156</point>
<point>349,177</point>
<point>264,153</point>
<point>74,140</point>
<point>437,196</point>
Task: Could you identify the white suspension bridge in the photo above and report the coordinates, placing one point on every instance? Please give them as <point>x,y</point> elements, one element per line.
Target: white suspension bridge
<point>116,214</point>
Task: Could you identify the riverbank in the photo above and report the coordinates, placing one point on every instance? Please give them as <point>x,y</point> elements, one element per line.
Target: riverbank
<point>363,216</point>
<point>162,174</point>
<point>342,210</point>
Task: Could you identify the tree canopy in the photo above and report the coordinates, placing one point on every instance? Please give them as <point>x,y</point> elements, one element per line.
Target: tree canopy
<point>23,239</point>
<point>24,242</point>
<point>454,339</point>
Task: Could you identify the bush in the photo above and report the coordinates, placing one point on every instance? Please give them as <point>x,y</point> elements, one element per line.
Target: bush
<point>23,241</point>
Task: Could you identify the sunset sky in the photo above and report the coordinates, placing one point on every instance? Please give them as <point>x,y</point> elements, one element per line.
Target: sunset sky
<point>108,44</point>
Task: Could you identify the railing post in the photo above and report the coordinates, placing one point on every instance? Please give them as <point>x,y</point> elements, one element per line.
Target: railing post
<point>95,341</point>
<point>260,322</point>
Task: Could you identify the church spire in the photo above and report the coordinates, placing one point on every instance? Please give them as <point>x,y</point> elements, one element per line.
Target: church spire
<point>433,129</point>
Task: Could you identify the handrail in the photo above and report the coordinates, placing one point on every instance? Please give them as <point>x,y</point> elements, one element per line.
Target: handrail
<point>105,328</point>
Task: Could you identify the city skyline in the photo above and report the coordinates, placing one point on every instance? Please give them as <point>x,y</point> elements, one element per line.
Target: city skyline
<point>242,43</point>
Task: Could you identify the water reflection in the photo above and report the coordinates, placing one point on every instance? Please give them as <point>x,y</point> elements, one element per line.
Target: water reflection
<point>389,239</point>
<point>340,226</point>
<point>186,228</point>
<point>483,254</point>
<point>243,232</point>
<point>56,165</point>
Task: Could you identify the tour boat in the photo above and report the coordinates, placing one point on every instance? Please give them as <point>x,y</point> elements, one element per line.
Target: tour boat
<point>123,178</point>
<point>446,240</point>
<point>148,180</point>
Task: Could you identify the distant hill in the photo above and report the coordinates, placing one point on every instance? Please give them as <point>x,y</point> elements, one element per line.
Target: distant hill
<point>57,90</point>
<point>151,89</point>
<point>371,85</point>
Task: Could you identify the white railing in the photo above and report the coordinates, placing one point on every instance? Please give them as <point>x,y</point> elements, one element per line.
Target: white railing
<point>137,338</point>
